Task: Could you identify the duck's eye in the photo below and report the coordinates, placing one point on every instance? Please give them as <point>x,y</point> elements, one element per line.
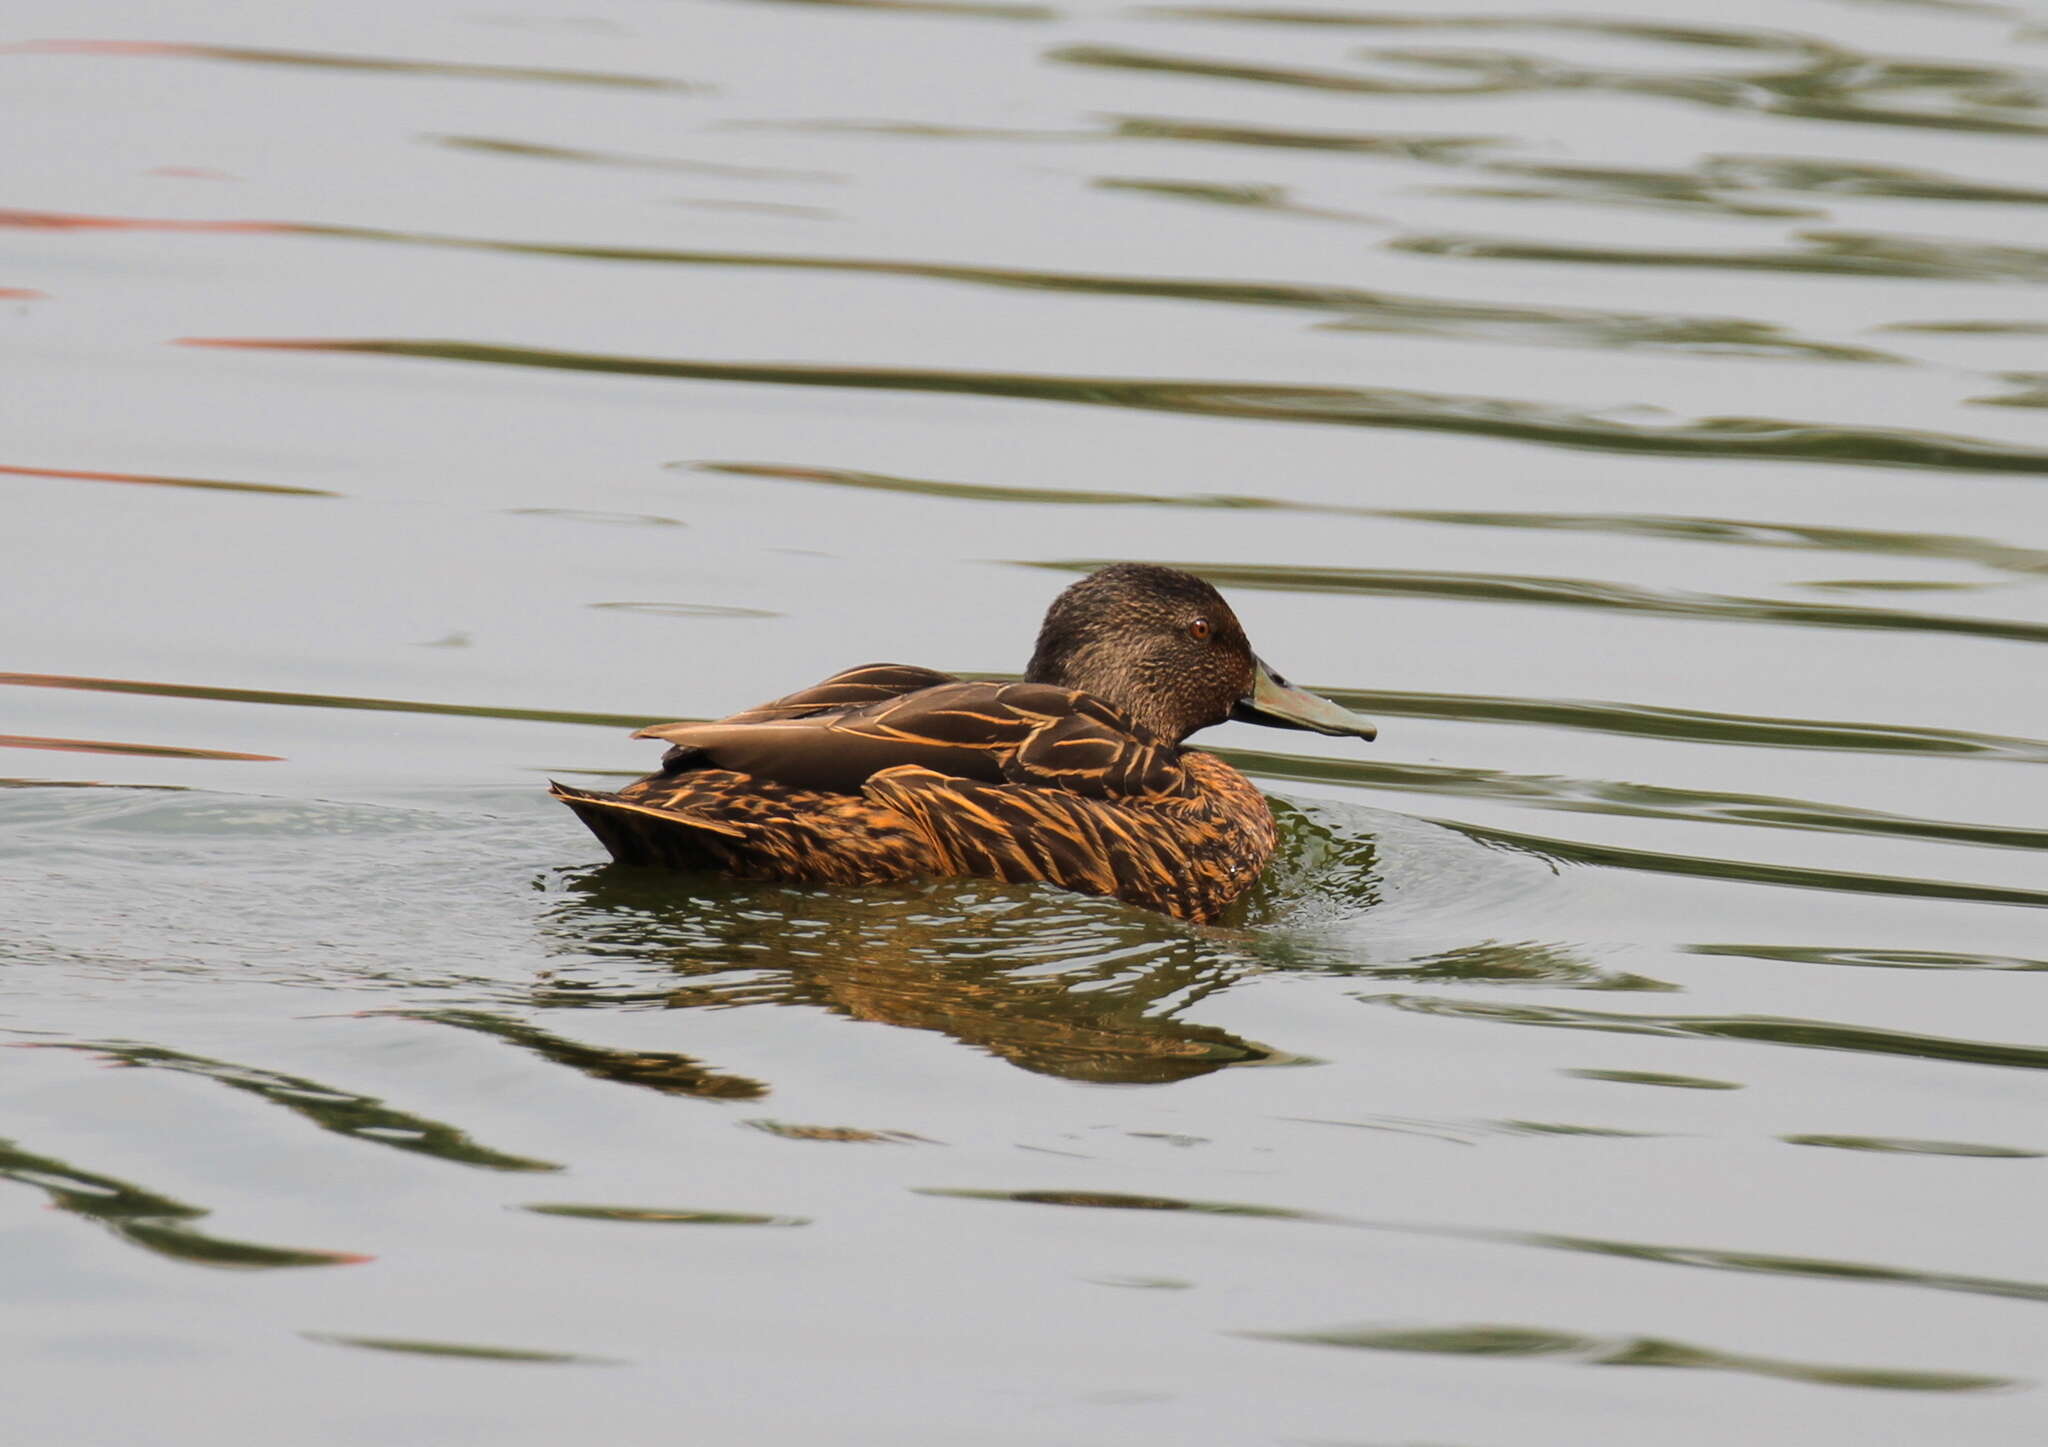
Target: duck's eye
<point>1199,630</point>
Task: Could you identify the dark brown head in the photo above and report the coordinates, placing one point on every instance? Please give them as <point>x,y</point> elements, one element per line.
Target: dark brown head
<point>1163,646</point>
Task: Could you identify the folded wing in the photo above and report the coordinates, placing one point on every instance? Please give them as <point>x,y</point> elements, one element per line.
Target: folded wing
<point>840,734</point>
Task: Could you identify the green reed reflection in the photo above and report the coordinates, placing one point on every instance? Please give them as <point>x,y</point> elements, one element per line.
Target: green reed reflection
<point>1724,438</point>
<point>1704,1258</point>
<point>1876,957</point>
<point>1586,593</point>
<point>359,1117</point>
<point>1806,77</point>
<point>461,1351</point>
<point>1521,1341</point>
<point>2001,557</point>
<point>143,1218</point>
<point>1355,309</point>
<point>1757,1029</point>
<point>657,1070</point>
<point>371,64</point>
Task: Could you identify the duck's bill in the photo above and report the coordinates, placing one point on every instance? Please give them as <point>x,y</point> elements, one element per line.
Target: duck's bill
<point>1276,703</point>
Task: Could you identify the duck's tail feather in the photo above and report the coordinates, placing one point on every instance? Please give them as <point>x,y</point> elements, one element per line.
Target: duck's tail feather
<point>638,834</point>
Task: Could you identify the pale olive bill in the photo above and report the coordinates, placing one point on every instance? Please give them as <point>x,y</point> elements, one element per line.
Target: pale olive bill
<point>1278,704</point>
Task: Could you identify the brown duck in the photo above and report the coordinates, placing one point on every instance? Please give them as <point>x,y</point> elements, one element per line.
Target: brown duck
<point>1076,776</point>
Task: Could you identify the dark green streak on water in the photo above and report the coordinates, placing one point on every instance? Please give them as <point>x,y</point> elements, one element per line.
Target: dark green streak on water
<point>664,1215</point>
<point>1520,1341</point>
<point>459,1351</point>
<point>203,484</point>
<point>1742,871</point>
<point>138,751</point>
<point>961,9</point>
<point>622,160</point>
<point>1358,309</point>
<point>1583,593</point>
<point>1635,801</point>
<point>359,1117</point>
<point>1760,1029</point>
<point>1828,253</point>
<point>1897,1145</point>
<point>143,1218</point>
<point>318,700</point>
<point>1695,725</point>
<point>1723,185</point>
<point>1441,149</point>
<point>1735,532</point>
<point>1877,958</point>
<point>1124,1201</point>
<point>657,1070</point>
<point>1725,438</point>
<point>375,64</point>
<point>1705,1258</point>
<point>1810,78</point>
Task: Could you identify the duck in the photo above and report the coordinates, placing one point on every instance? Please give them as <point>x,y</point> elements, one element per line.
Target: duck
<point>1079,776</point>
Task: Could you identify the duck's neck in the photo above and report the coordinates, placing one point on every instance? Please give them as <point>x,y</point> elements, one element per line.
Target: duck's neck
<point>1110,674</point>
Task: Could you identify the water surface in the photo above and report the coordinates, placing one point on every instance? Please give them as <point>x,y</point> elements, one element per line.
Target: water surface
<point>1639,414</point>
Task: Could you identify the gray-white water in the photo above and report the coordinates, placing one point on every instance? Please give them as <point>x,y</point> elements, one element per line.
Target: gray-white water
<point>1640,414</point>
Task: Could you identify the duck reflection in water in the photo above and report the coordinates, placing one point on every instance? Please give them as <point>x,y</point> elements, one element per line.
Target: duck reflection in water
<point>1078,988</point>
<point>1076,777</point>
<point>1054,983</point>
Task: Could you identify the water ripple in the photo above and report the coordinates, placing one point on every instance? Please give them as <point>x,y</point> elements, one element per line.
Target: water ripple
<point>327,60</point>
<point>1585,593</point>
<point>1520,1341</point>
<point>1832,253</point>
<point>360,1117</point>
<point>1756,1029</point>
<point>143,1218</point>
<point>1723,438</point>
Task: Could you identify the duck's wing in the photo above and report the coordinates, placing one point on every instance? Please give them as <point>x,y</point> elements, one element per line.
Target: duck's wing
<point>997,733</point>
<point>869,683</point>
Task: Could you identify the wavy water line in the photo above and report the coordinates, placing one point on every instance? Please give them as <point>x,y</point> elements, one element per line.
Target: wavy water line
<point>317,700</point>
<point>1736,730</point>
<point>1744,871</point>
<point>1982,552</point>
<point>139,751</point>
<point>1632,801</point>
<point>1524,591</point>
<point>1822,253</point>
<point>1351,308</point>
<point>1720,438</point>
<point>1239,195</point>
<point>1436,148</point>
<point>1870,957</point>
<point>1498,1341</point>
<point>359,1117</point>
<point>1705,1258</point>
<point>370,64</point>
<point>1719,185</point>
<point>1819,80</point>
<point>156,1223</point>
<point>460,1351</point>
<point>663,1071</point>
<point>146,479</point>
<point>622,160</point>
<point>1754,1029</point>
<point>952,9</point>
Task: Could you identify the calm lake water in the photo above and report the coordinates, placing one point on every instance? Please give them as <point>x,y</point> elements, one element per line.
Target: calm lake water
<point>1641,416</point>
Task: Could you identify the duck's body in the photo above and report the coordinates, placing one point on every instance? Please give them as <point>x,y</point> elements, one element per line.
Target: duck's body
<point>1076,777</point>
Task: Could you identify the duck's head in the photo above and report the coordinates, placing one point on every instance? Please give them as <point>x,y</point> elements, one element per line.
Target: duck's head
<point>1163,646</point>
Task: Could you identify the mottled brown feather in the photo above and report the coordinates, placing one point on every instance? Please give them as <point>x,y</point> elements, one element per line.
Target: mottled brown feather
<point>888,771</point>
